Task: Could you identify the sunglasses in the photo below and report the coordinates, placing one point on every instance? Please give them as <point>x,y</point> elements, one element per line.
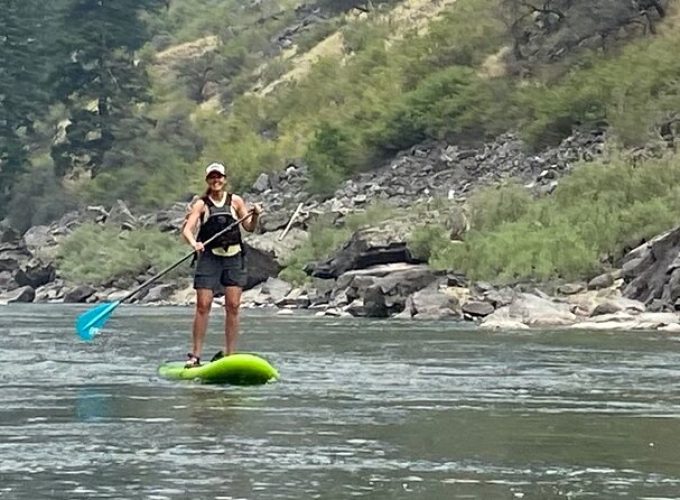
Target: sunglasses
<point>214,176</point>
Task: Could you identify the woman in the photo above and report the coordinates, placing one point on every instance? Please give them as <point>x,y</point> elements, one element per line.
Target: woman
<point>220,266</point>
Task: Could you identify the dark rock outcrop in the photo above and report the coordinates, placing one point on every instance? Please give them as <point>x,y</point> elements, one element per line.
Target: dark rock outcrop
<point>652,270</point>
<point>368,247</point>
<point>381,291</point>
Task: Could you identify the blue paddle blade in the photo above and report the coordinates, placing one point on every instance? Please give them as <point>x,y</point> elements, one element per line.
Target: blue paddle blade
<point>90,322</point>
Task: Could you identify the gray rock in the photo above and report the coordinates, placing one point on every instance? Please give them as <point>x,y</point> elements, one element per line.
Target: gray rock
<point>482,287</point>
<point>297,298</point>
<point>22,294</point>
<point>272,221</point>
<point>159,293</point>
<point>276,289</point>
<point>455,280</point>
<point>262,183</point>
<point>260,265</point>
<point>375,303</point>
<point>602,281</point>
<point>52,292</point>
<point>672,290</point>
<point>39,237</point>
<point>9,235</point>
<point>339,298</point>
<point>625,321</point>
<point>320,290</point>
<point>531,310</point>
<point>34,273</point>
<point>355,308</point>
<point>10,262</point>
<point>653,277</point>
<point>606,308</point>
<point>432,303</point>
<point>369,247</point>
<point>477,309</point>
<point>7,282</point>
<point>389,285</point>
<point>78,294</point>
<point>571,288</point>
<point>279,251</point>
<point>121,216</point>
<point>98,212</point>
<point>633,267</point>
<point>499,298</point>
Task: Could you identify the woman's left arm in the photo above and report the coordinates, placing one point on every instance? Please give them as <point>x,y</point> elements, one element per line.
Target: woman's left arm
<point>242,210</point>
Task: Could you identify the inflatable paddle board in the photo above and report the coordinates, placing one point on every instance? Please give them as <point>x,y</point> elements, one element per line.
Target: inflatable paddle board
<point>238,369</point>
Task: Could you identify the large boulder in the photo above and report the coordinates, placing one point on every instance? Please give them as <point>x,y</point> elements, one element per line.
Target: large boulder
<point>260,265</point>
<point>78,294</point>
<point>384,244</point>
<point>477,309</point>
<point>42,242</point>
<point>12,255</point>
<point>22,294</point>
<point>432,302</point>
<point>273,221</point>
<point>276,289</point>
<point>34,273</point>
<point>602,281</point>
<point>383,289</point>
<point>652,270</point>
<point>280,250</point>
<point>532,310</point>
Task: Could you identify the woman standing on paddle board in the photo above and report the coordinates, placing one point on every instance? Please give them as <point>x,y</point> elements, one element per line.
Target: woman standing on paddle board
<point>220,267</point>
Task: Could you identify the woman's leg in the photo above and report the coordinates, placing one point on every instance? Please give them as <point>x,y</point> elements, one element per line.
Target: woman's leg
<point>232,306</point>
<point>204,298</point>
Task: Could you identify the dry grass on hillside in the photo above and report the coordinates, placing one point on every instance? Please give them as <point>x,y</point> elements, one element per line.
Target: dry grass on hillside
<point>404,18</point>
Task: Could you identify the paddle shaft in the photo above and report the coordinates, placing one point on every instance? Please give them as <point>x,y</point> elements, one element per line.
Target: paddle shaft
<point>183,259</point>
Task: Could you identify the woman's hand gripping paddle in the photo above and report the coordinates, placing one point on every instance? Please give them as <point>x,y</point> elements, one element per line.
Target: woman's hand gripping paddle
<point>92,321</point>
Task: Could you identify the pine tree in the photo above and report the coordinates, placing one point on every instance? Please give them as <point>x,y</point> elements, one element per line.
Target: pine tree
<point>101,82</point>
<point>24,28</point>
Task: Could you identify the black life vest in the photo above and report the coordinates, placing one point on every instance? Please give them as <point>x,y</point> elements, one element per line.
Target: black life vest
<point>218,219</point>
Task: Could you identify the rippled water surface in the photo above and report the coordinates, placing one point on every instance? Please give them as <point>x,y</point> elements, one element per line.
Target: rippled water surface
<point>368,409</point>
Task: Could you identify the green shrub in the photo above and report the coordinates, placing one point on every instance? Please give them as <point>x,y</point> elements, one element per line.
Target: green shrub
<point>97,254</point>
<point>492,206</point>
<point>428,240</point>
<point>599,210</point>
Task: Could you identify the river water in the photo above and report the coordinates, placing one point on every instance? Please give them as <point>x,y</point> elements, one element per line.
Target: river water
<point>368,409</point>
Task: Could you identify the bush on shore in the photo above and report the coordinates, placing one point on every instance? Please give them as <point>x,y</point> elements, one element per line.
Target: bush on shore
<point>97,254</point>
<point>598,212</point>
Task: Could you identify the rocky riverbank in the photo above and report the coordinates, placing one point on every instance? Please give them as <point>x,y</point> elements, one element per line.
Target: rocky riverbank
<point>375,273</point>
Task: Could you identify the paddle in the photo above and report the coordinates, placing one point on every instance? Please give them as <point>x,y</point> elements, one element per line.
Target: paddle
<point>92,321</point>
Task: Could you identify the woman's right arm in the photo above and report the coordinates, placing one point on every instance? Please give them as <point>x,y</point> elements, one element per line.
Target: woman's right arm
<point>190,226</point>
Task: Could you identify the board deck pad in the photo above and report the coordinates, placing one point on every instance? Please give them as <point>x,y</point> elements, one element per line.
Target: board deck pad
<point>237,369</point>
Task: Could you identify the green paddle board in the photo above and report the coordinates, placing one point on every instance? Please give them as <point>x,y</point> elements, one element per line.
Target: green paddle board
<point>238,369</point>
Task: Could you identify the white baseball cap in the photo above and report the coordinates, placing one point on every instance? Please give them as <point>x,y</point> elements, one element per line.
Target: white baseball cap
<point>215,167</point>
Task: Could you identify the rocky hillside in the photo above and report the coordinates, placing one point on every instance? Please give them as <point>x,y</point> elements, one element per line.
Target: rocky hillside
<point>376,272</point>
<point>471,159</point>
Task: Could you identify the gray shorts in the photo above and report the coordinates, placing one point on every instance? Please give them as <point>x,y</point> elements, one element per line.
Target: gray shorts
<point>216,273</point>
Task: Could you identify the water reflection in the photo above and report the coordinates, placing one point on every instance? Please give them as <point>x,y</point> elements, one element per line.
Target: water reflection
<point>93,403</point>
